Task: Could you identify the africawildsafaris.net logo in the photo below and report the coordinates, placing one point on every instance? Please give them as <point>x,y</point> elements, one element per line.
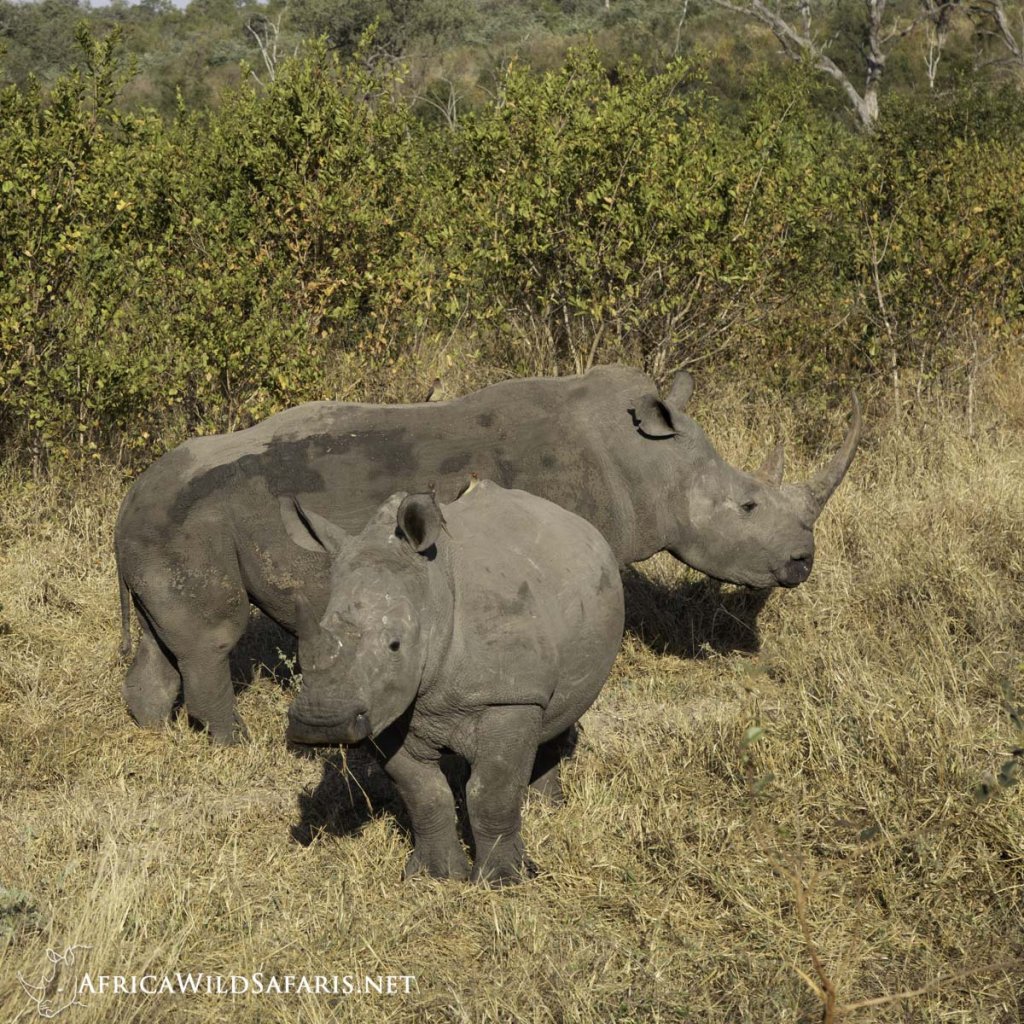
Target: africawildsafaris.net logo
<point>57,987</point>
<point>66,983</point>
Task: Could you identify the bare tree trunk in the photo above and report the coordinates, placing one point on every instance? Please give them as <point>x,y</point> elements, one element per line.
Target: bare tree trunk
<point>938,14</point>
<point>805,16</point>
<point>993,21</point>
<point>447,108</point>
<point>876,261</point>
<point>799,45</point>
<point>267,34</point>
<point>972,372</point>
<point>875,57</point>
<point>933,54</point>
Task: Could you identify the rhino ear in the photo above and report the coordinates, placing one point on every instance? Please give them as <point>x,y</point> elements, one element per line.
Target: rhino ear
<point>309,530</point>
<point>420,521</point>
<point>652,417</point>
<point>680,392</point>
<point>774,465</point>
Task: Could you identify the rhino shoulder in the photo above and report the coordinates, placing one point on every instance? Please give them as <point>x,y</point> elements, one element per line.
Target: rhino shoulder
<point>522,555</point>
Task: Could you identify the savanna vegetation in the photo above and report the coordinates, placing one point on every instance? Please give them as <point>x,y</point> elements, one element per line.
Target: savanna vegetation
<point>791,807</point>
<point>317,234</point>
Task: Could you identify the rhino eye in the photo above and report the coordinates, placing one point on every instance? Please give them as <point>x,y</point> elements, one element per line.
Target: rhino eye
<point>748,506</point>
<point>394,645</point>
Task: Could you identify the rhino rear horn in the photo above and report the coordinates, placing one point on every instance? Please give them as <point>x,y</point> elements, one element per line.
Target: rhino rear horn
<point>420,520</point>
<point>826,480</point>
<point>773,467</point>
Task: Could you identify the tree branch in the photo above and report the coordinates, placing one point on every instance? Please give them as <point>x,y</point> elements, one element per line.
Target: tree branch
<point>797,45</point>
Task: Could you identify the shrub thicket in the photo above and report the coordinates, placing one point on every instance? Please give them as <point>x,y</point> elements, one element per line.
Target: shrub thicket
<point>189,277</point>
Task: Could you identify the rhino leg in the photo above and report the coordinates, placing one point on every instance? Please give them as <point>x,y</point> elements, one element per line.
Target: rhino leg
<point>152,684</point>
<point>209,695</point>
<point>506,747</point>
<point>547,766</point>
<point>200,629</point>
<point>428,799</point>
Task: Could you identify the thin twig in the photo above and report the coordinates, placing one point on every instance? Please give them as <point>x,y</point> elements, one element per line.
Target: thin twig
<point>862,1004</point>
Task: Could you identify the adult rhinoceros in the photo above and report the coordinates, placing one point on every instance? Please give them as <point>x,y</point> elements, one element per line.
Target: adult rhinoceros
<point>211,527</point>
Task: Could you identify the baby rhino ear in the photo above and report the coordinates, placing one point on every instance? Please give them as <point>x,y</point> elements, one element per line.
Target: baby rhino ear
<point>420,521</point>
<point>309,530</point>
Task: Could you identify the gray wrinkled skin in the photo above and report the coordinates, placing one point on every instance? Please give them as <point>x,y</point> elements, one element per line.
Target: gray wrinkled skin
<point>495,634</point>
<point>200,534</point>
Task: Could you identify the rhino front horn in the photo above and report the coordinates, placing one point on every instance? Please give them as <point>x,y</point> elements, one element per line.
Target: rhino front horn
<point>826,480</point>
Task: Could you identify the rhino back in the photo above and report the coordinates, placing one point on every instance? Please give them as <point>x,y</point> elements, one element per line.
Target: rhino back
<point>218,497</point>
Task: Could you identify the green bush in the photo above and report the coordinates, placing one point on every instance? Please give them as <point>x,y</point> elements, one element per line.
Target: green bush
<point>183,279</point>
<point>592,217</point>
<point>315,235</point>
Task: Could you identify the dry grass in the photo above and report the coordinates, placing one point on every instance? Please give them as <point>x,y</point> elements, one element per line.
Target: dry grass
<point>691,876</point>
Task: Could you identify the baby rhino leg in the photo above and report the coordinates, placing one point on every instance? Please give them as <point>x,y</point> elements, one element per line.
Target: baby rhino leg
<point>428,799</point>
<point>506,747</point>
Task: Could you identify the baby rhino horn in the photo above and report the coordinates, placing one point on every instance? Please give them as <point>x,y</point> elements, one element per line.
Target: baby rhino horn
<point>306,623</point>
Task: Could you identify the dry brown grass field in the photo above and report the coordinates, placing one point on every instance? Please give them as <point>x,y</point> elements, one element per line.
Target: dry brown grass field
<point>861,850</point>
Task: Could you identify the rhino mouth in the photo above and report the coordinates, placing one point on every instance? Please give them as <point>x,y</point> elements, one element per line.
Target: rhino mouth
<point>795,572</point>
<point>351,729</point>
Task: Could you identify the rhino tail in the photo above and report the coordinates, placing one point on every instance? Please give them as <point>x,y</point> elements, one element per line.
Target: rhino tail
<point>126,617</point>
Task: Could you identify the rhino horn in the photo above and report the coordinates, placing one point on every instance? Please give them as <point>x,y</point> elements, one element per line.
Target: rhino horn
<point>771,470</point>
<point>827,479</point>
<point>306,624</point>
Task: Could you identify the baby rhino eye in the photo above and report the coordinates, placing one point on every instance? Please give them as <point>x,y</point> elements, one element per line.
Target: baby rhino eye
<point>748,506</point>
<point>394,645</point>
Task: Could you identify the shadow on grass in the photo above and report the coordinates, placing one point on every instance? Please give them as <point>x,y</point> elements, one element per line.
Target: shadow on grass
<point>354,789</point>
<point>264,650</point>
<point>692,619</point>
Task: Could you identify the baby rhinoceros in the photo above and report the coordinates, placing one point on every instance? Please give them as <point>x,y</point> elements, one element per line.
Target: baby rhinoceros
<point>486,628</point>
